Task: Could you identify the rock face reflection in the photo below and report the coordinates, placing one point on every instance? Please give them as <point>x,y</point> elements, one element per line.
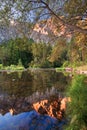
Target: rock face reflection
<point>44,115</point>
<point>19,90</point>
<point>54,107</point>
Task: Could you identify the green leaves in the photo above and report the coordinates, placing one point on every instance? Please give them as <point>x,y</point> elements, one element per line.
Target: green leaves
<point>78,104</point>
<point>14,50</point>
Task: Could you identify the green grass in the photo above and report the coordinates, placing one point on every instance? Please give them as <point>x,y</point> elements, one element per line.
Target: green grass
<point>60,69</point>
<point>11,67</point>
<point>77,108</point>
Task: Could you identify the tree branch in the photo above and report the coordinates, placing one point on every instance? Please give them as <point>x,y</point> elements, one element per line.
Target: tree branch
<point>70,26</point>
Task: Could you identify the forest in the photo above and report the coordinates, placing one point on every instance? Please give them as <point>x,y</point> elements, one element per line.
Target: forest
<point>27,53</point>
<point>61,52</point>
<point>45,34</point>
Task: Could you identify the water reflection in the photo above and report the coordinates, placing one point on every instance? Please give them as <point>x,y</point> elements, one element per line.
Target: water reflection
<point>19,89</point>
<point>28,121</point>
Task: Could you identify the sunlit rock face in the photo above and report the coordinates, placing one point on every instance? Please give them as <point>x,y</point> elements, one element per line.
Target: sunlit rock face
<point>46,31</point>
<point>54,107</point>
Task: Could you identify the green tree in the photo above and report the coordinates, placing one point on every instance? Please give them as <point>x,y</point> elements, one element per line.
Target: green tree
<point>77,50</point>
<point>10,53</point>
<point>41,52</point>
<point>26,58</point>
<point>13,50</point>
<point>59,53</point>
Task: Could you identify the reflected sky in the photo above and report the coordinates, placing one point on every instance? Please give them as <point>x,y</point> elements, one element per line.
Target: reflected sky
<point>20,90</point>
<point>28,121</point>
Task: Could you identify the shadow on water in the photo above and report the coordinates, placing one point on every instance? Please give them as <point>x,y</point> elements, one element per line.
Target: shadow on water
<point>19,90</point>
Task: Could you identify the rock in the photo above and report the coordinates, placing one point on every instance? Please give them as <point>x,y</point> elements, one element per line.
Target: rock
<point>55,107</point>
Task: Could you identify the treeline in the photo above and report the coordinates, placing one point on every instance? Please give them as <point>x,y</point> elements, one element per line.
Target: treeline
<point>15,51</point>
<point>30,54</point>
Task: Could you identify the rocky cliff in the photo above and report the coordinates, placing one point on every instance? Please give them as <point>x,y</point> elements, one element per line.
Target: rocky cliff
<point>49,31</point>
<point>43,31</point>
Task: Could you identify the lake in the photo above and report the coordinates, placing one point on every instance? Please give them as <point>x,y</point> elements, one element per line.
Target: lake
<point>18,90</point>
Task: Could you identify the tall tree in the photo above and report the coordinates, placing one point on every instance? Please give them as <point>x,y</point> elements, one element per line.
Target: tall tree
<point>30,10</point>
<point>41,52</point>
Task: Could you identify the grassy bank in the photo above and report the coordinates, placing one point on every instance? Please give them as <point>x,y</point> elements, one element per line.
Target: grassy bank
<point>77,108</point>
<point>11,67</point>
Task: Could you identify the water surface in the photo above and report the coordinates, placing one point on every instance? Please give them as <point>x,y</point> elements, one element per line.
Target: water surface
<point>19,89</point>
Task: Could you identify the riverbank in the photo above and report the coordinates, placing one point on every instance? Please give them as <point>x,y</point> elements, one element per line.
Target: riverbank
<point>77,70</point>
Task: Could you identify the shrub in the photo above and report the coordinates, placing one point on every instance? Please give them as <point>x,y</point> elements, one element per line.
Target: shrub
<point>1,66</point>
<point>66,63</point>
<point>77,108</point>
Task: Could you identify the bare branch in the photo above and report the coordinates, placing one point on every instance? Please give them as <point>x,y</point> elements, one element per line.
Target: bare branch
<point>38,7</point>
<point>45,5</point>
<point>70,26</point>
<point>45,14</point>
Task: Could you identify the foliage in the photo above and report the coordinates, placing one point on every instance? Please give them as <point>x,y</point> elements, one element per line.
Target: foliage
<point>77,50</point>
<point>45,55</point>
<point>25,51</point>
<point>58,49</point>
<point>13,50</point>
<point>33,10</point>
<point>26,58</point>
<point>77,108</point>
<point>1,66</point>
<point>66,64</point>
<point>59,53</point>
<point>10,53</point>
<point>75,7</point>
<point>46,64</point>
<point>11,67</point>
<point>41,52</point>
<point>68,14</point>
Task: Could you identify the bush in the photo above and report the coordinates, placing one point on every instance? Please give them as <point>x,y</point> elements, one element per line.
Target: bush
<point>46,64</point>
<point>1,66</point>
<point>66,64</point>
<point>13,67</point>
<point>77,108</point>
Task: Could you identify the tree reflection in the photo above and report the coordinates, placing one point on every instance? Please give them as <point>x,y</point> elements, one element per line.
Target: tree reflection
<point>19,92</point>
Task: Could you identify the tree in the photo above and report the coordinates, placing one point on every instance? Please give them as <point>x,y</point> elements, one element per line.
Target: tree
<point>41,52</point>
<point>77,49</point>
<point>13,50</point>
<point>10,53</point>
<point>59,52</point>
<point>68,14</point>
<point>26,58</point>
<point>31,10</point>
